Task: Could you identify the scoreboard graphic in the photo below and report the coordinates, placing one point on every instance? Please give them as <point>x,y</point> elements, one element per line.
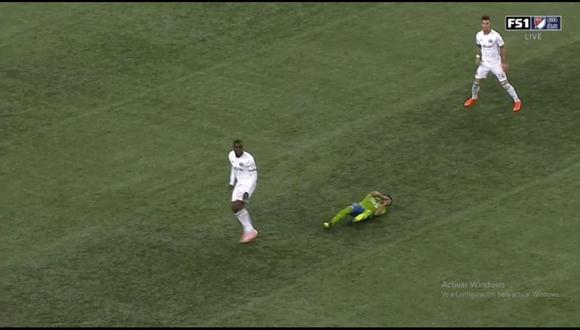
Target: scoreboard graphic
<point>533,23</point>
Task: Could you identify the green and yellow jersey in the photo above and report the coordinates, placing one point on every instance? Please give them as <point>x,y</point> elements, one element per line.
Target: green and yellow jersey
<point>371,203</point>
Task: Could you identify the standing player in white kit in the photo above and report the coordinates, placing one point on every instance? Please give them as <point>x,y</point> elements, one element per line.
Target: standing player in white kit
<point>243,179</point>
<point>491,56</point>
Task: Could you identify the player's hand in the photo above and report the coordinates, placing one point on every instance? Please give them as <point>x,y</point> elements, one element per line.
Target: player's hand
<point>477,60</point>
<point>380,211</point>
<point>504,66</point>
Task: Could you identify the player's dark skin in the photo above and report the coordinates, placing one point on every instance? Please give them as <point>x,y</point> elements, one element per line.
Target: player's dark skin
<point>238,205</point>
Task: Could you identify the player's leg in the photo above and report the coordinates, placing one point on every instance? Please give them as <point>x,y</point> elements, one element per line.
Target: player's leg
<point>243,216</point>
<point>475,89</point>
<point>339,216</point>
<point>240,196</point>
<point>502,78</point>
<point>363,216</point>
<point>481,73</point>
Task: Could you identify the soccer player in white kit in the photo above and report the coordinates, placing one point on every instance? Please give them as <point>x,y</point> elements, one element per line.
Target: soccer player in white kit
<point>243,179</point>
<point>491,56</point>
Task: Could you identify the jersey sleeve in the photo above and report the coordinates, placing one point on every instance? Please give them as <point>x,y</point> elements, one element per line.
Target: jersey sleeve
<point>253,170</point>
<point>477,41</point>
<point>252,165</point>
<point>499,41</point>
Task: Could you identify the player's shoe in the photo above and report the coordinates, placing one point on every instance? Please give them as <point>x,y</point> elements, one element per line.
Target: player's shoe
<point>248,237</point>
<point>326,225</point>
<point>470,102</point>
<point>517,105</point>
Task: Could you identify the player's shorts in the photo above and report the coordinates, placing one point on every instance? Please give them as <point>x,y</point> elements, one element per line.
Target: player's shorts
<point>356,210</point>
<point>240,189</point>
<point>484,69</point>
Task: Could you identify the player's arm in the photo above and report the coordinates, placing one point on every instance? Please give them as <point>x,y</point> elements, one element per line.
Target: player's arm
<point>478,54</point>
<point>503,54</point>
<point>383,208</point>
<point>378,194</point>
<point>232,177</point>
<point>380,210</point>
<point>253,168</point>
<point>385,200</point>
<point>477,51</point>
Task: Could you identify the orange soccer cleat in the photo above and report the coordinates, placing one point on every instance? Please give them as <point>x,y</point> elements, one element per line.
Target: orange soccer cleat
<point>248,237</point>
<point>470,102</point>
<point>517,106</point>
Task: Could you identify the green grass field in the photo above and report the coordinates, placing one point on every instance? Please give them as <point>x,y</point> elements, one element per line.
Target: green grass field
<point>115,124</point>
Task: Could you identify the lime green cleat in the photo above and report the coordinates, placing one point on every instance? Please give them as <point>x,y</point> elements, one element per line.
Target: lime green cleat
<point>326,225</point>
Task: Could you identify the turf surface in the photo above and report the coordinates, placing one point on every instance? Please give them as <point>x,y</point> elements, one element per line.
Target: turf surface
<point>116,121</point>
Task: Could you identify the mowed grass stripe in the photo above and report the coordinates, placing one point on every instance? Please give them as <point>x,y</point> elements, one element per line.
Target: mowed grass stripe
<point>17,20</point>
<point>278,43</point>
<point>287,229</point>
<point>371,107</point>
<point>566,107</point>
<point>146,186</point>
<point>43,210</point>
<point>419,55</point>
<point>133,227</point>
<point>58,145</point>
<point>279,301</point>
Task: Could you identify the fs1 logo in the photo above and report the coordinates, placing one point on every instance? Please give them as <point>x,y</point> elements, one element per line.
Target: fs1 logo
<point>533,23</point>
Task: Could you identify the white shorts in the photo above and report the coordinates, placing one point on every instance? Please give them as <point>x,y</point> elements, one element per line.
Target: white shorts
<point>240,189</point>
<point>484,69</point>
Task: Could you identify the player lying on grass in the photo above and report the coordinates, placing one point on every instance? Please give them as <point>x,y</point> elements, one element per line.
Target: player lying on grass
<point>374,204</point>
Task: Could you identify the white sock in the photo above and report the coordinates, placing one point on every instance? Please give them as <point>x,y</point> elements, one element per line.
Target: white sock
<point>511,91</point>
<point>244,218</point>
<point>474,90</point>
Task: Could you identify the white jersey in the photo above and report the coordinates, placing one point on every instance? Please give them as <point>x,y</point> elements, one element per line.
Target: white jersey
<point>490,47</point>
<point>244,171</point>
